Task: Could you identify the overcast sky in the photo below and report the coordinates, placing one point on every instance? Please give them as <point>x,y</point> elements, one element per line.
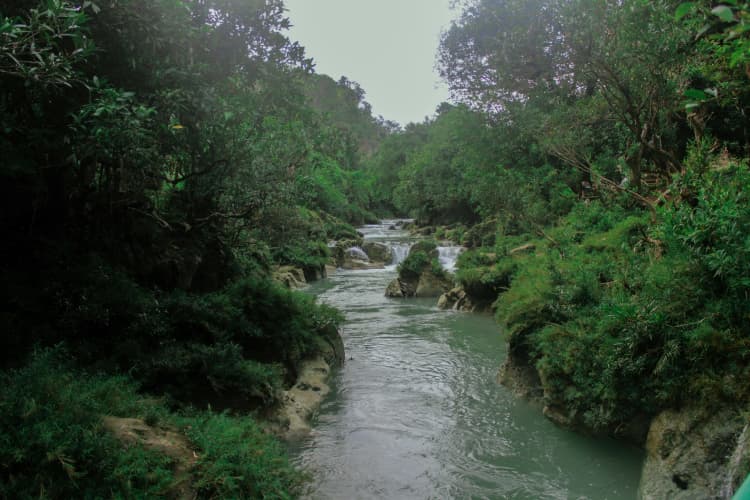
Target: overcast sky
<point>387,46</point>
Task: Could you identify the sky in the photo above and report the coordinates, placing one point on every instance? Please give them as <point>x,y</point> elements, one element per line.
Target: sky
<point>387,46</point>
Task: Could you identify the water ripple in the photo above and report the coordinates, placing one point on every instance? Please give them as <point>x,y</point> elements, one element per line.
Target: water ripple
<point>416,413</point>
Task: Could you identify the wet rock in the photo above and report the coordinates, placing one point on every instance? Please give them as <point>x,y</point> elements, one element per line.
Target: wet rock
<point>689,452</point>
<point>521,377</point>
<point>378,252</point>
<point>354,264</point>
<point>290,276</point>
<point>458,300</point>
<point>314,273</point>
<point>300,403</point>
<point>401,289</point>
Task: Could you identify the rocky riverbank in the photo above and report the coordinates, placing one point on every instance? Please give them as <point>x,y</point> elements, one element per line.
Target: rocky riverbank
<point>691,453</point>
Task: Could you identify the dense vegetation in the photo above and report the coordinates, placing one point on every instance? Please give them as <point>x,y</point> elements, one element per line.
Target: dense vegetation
<point>596,165</point>
<point>161,158</point>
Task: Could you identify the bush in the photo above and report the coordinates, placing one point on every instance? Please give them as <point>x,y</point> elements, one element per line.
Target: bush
<point>239,460</point>
<point>414,265</point>
<point>53,444</point>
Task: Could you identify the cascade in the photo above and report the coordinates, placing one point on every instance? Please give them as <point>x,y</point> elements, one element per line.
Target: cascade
<point>399,251</point>
<point>357,253</point>
<point>448,256</point>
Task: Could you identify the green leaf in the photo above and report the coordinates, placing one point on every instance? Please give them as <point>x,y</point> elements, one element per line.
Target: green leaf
<point>724,13</point>
<point>696,94</point>
<point>683,9</point>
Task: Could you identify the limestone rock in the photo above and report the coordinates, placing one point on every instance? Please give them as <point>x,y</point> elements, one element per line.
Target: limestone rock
<point>458,300</point>
<point>290,276</point>
<point>689,454</point>
<point>400,288</point>
<point>304,398</point>
<point>521,377</point>
<point>394,289</point>
<point>355,264</point>
<point>430,285</point>
<point>378,252</point>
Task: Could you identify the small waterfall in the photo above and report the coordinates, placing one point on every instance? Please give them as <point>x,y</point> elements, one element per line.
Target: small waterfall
<point>357,253</point>
<point>399,251</point>
<point>448,256</point>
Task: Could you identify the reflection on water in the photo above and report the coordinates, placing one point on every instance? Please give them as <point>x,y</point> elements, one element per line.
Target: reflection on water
<point>416,412</point>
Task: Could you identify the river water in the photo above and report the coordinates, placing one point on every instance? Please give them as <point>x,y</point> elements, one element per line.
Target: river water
<point>416,411</point>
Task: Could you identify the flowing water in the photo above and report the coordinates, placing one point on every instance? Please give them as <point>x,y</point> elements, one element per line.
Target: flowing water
<point>416,412</point>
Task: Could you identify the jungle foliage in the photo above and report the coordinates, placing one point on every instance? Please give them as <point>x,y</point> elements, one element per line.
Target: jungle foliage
<point>598,155</point>
<point>159,160</point>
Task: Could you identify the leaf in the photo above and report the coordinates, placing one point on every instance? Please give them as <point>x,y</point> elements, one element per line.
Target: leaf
<point>683,9</point>
<point>696,94</point>
<point>724,13</point>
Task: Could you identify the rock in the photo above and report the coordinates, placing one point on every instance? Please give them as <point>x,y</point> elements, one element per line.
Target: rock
<point>292,419</point>
<point>357,253</point>
<point>331,346</point>
<point>430,285</point>
<point>339,250</point>
<point>400,288</point>
<point>689,453</point>
<point>394,289</point>
<point>521,377</point>
<point>290,276</point>
<point>314,273</point>
<point>378,252</point>
<point>458,300</point>
<point>354,264</point>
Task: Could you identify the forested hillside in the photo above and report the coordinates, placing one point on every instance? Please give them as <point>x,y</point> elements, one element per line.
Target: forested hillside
<point>596,165</point>
<point>160,160</point>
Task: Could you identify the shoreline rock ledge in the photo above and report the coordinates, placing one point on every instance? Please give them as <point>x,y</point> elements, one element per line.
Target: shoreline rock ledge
<point>299,403</point>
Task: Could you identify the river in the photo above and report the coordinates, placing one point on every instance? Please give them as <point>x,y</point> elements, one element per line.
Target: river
<point>416,411</point>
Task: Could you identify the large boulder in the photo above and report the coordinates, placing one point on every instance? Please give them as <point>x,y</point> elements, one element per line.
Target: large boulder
<point>695,453</point>
<point>401,288</point>
<point>378,252</point>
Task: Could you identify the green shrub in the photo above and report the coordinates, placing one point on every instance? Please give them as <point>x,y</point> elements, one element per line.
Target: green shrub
<point>427,247</point>
<point>239,460</point>
<point>53,445</point>
<point>414,265</point>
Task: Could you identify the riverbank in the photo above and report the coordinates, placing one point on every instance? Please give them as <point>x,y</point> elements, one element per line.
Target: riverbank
<point>602,320</point>
<point>416,412</point>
